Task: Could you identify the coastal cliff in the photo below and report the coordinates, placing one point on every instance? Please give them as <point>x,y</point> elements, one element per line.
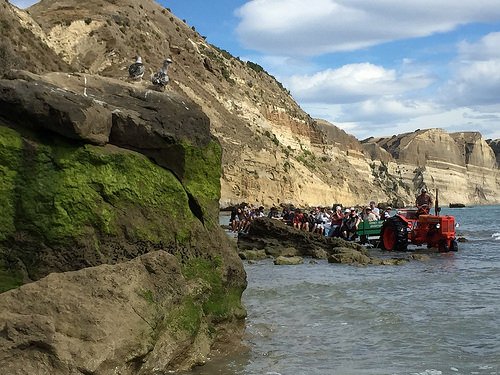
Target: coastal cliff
<point>109,230</point>
<point>273,152</point>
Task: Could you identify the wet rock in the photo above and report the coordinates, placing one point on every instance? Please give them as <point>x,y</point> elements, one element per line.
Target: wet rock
<point>282,260</point>
<point>462,239</point>
<point>420,257</point>
<point>252,254</point>
<point>348,255</point>
<point>278,239</point>
<point>389,262</point>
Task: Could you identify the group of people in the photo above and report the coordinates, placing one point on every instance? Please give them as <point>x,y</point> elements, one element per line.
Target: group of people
<point>333,222</point>
<point>328,222</point>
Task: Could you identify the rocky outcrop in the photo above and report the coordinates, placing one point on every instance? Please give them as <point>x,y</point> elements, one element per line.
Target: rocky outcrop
<point>135,318</point>
<point>273,238</point>
<point>277,238</point>
<point>112,187</point>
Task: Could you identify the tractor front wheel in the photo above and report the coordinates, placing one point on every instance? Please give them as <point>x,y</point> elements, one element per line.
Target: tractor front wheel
<point>394,234</point>
<point>453,245</point>
<point>443,246</point>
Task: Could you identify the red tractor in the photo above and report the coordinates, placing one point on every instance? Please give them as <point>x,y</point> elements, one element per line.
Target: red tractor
<point>410,226</point>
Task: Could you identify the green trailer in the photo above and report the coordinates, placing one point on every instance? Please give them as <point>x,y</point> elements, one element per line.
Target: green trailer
<point>369,231</point>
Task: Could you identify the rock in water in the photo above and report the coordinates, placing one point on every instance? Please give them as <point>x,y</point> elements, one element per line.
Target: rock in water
<point>281,260</point>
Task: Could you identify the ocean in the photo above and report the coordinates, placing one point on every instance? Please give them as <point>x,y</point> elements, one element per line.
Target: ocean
<point>429,318</point>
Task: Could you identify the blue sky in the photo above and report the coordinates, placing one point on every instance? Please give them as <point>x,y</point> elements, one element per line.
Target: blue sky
<point>373,68</point>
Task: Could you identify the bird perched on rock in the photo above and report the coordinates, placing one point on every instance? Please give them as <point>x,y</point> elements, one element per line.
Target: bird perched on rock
<point>160,79</point>
<point>137,69</point>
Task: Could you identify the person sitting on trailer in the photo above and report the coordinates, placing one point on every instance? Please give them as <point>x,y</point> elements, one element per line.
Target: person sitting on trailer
<point>423,203</point>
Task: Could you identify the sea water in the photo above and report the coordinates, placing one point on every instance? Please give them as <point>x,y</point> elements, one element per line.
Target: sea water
<point>436,317</point>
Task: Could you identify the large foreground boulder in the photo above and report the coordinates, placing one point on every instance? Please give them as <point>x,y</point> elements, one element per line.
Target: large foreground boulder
<point>109,210</point>
<point>130,318</point>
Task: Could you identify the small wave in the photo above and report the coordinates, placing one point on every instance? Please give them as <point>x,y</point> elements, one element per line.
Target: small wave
<point>428,372</point>
<point>496,236</point>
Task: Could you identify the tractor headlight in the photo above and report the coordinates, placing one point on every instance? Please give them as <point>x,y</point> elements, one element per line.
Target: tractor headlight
<point>438,226</point>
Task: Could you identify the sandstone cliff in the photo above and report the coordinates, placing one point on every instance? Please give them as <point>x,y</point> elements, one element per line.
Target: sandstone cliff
<point>461,165</point>
<point>273,151</point>
<point>109,213</point>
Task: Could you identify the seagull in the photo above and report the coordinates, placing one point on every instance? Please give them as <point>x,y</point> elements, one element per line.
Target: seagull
<point>160,79</point>
<point>137,69</point>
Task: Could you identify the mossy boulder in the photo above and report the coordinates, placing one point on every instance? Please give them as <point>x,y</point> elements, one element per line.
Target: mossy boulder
<point>78,196</point>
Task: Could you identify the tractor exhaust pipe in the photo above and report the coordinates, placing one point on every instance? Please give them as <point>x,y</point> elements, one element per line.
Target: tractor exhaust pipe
<point>436,205</point>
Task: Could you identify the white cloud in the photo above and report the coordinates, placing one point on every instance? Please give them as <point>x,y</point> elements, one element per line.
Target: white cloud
<point>23,3</point>
<point>315,27</point>
<point>354,83</point>
<point>476,79</point>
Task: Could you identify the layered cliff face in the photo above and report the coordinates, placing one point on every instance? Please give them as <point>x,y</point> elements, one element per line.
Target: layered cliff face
<point>461,165</point>
<point>273,152</point>
<point>495,146</point>
<point>120,186</point>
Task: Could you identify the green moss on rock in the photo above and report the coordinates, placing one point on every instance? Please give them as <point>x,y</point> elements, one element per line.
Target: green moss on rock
<point>11,147</point>
<point>66,190</point>
<point>202,176</point>
<point>222,301</point>
<point>55,192</point>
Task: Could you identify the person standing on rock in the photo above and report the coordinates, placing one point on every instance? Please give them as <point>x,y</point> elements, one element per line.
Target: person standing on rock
<point>423,202</point>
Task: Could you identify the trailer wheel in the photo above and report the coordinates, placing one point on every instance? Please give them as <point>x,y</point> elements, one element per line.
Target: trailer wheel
<point>394,234</point>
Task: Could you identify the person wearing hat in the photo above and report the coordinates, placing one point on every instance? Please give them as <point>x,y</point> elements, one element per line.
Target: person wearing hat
<point>369,215</point>
<point>423,202</point>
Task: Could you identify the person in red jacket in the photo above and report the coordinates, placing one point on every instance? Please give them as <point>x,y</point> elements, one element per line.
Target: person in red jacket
<point>423,202</point>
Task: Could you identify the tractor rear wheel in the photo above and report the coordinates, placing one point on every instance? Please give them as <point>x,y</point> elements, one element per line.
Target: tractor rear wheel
<point>394,234</point>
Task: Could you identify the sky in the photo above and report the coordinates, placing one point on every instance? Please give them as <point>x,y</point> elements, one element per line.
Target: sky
<point>372,68</point>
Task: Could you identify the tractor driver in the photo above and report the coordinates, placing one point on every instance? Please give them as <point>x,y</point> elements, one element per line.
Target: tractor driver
<point>423,202</point>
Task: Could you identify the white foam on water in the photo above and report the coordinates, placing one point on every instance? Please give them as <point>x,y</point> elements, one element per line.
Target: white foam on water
<point>496,236</point>
<point>428,372</point>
